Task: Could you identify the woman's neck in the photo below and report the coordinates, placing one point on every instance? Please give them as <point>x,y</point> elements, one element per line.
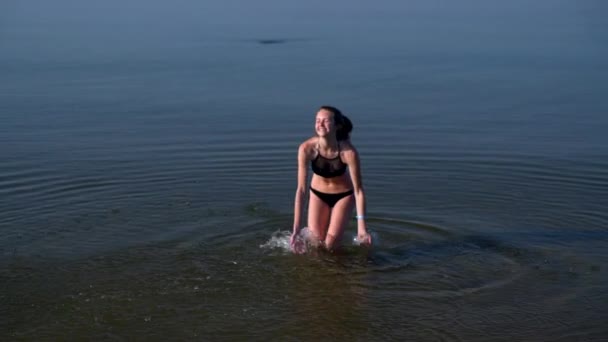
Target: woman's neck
<point>328,143</point>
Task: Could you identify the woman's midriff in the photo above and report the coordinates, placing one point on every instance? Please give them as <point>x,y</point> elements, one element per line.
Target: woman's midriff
<point>332,185</point>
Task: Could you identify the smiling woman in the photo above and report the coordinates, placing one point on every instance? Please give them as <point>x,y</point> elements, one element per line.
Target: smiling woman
<point>333,191</point>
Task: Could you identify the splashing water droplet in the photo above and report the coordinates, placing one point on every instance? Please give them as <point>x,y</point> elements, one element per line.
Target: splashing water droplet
<point>281,240</point>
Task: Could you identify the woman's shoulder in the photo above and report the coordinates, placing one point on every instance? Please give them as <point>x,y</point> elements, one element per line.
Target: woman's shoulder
<point>347,146</point>
<point>308,145</point>
<point>310,142</point>
<point>347,150</point>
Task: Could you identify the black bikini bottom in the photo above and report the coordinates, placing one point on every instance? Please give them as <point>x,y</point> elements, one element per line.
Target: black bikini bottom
<point>331,199</point>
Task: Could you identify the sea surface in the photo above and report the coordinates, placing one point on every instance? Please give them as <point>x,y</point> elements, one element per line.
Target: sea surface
<point>148,164</point>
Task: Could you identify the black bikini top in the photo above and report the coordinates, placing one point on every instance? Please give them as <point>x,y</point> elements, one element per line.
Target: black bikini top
<point>326,167</point>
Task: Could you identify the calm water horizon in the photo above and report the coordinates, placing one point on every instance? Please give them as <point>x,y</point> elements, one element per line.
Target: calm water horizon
<point>148,163</point>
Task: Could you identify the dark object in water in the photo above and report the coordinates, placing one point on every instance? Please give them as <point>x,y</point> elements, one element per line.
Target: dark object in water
<point>271,41</point>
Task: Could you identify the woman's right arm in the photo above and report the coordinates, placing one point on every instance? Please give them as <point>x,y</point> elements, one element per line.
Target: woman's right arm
<point>301,189</point>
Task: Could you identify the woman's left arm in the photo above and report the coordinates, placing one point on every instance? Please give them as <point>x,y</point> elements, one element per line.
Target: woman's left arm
<point>351,156</point>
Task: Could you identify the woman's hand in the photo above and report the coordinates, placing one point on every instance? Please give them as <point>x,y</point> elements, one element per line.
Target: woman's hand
<point>294,236</point>
<point>292,239</point>
<point>364,238</point>
<point>296,243</point>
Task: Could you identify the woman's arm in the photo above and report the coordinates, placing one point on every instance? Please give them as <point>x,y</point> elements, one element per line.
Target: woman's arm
<point>351,156</point>
<point>301,188</point>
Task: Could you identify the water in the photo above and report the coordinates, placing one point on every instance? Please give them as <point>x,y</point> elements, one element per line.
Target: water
<point>147,170</point>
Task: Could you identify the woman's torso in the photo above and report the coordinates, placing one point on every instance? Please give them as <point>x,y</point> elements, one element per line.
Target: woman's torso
<point>329,172</point>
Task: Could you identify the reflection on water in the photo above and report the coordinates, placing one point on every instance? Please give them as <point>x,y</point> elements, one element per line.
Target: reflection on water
<point>425,281</point>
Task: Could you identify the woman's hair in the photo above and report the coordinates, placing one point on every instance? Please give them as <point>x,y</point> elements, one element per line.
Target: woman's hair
<point>343,124</point>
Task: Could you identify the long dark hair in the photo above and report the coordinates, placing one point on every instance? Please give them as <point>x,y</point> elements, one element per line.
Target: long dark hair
<point>343,124</point>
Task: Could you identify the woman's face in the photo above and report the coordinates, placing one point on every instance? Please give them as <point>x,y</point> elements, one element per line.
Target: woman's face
<point>324,123</point>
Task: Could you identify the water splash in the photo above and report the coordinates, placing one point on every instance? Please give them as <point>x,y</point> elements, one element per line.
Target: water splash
<point>278,240</point>
<point>281,240</point>
<point>374,236</point>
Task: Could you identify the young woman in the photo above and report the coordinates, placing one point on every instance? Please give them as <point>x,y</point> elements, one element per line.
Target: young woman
<point>335,187</point>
